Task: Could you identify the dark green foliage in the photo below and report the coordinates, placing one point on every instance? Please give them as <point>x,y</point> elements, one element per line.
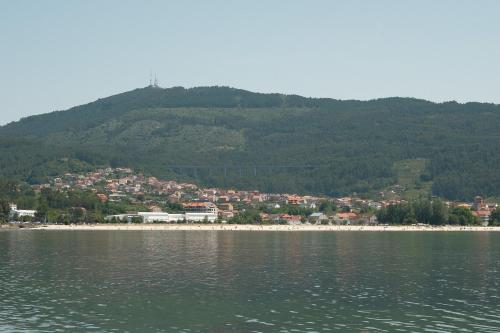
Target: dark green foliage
<point>173,207</point>
<point>495,217</point>
<point>395,214</point>
<point>288,209</point>
<point>462,216</point>
<point>272,142</point>
<point>4,210</point>
<point>42,210</point>
<point>58,200</point>
<point>247,217</point>
<point>422,211</point>
<point>439,213</point>
<point>77,214</point>
<point>136,220</point>
<point>327,207</point>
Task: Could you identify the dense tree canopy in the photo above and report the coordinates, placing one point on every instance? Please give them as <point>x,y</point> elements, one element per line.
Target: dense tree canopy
<point>4,210</point>
<point>495,217</point>
<point>462,216</point>
<point>422,211</point>
<point>276,143</point>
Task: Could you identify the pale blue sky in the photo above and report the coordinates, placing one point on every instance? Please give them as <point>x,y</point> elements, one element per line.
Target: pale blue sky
<point>58,54</point>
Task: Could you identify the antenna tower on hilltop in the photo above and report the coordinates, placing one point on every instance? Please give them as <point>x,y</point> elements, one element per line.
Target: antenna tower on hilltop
<point>156,82</point>
<point>153,83</point>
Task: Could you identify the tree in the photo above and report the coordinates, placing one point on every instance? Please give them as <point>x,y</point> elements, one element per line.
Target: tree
<point>137,219</point>
<point>423,211</point>
<point>27,218</point>
<point>495,217</point>
<point>77,214</point>
<point>439,214</point>
<point>345,209</point>
<point>396,214</point>
<point>14,217</point>
<point>63,219</point>
<point>94,217</point>
<point>327,207</point>
<point>42,210</point>
<point>462,216</point>
<point>270,128</point>
<point>4,210</point>
<point>247,217</point>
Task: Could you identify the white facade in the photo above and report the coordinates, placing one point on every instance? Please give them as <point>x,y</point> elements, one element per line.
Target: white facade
<point>21,212</point>
<point>200,217</point>
<point>176,217</point>
<point>151,217</point>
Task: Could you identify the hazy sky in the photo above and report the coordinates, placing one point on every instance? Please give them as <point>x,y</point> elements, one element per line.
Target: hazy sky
<point>58,54</point>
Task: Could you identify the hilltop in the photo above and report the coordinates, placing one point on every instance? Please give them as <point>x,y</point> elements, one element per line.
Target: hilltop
<point>226,137</point>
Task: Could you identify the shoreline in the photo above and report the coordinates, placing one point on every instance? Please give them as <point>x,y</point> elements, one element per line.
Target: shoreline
<point>251,227</point>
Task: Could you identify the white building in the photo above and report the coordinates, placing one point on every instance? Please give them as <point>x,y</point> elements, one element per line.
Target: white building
<point>151,217</point>
<point>201,207</point>
<point>201,211</point>
<point>21,212</point>
<point>200,217</point>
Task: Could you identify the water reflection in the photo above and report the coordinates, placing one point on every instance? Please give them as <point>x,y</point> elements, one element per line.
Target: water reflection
<point>195,281</point>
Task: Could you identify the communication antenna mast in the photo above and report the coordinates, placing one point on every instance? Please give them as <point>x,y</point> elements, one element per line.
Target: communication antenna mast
<point>156,82</point>
<point>150,78</point>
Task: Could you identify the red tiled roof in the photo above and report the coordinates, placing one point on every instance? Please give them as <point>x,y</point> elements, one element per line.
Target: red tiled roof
<point>346,215</point>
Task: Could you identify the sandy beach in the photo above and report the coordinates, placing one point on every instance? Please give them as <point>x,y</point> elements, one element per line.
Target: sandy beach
<point>249,227</point>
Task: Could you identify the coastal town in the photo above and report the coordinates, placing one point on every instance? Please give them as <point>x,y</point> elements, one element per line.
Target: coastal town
<point>147,199</point>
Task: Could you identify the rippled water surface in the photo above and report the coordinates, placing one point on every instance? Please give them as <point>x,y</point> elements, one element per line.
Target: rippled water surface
<point>223,281</point>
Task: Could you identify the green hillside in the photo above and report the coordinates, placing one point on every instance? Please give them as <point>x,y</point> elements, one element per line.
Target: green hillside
<point>228,137</point>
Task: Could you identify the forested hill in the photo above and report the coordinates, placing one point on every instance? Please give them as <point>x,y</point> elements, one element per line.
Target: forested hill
<point>235,138</point>
<point>94,113</point>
